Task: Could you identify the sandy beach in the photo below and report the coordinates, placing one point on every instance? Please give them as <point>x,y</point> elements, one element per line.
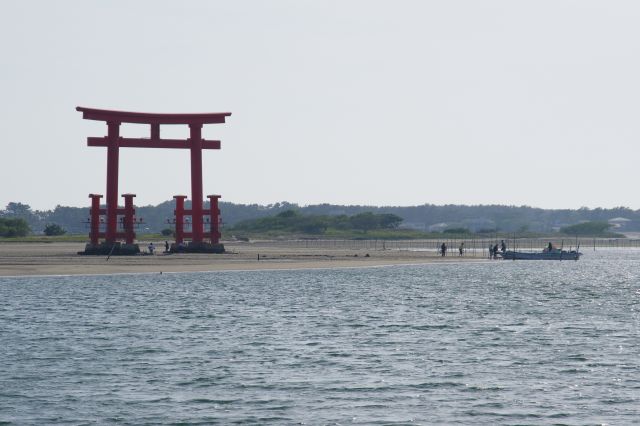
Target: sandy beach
<point>21,259</point>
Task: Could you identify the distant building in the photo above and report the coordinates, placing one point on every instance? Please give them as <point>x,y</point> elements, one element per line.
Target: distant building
<point>619,222</point>
<point>438,227</point>
<point>413,225</point>
<point>479,224</point>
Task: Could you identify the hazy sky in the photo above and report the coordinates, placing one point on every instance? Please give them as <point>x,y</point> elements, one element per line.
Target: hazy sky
<point>350,102</point>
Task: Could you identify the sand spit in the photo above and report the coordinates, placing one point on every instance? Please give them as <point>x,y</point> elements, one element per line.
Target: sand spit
<point>22,259</point>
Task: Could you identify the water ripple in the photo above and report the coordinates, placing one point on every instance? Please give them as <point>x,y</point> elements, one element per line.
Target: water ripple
<point>493,343</point>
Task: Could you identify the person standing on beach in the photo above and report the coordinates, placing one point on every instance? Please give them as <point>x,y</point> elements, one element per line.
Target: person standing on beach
<point>443,250</point>
<point>166,246</point>
<point>461,249</point>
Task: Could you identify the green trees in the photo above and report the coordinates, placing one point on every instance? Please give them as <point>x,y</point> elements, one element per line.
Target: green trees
<point>54,229</point>
<point>18,209</point>
<point>591,229</point>
<point>389,221</point>
<point>13,227</point>
<point>287,214</point>
<point>286,221</point>
<point>364,221</point>
<point>291,221</point>
<point>369,221</point>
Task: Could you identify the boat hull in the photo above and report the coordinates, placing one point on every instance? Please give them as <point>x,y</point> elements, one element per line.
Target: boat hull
<point>555,255</point>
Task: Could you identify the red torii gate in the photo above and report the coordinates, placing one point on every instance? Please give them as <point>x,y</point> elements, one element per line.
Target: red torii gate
<point>113,142</point>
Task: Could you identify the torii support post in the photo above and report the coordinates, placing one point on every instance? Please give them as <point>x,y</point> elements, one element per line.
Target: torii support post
<point>179,214</point>
<point>94,233</point>
<point>129,218</point>
<point>181,222</point>
<point>214,218</point>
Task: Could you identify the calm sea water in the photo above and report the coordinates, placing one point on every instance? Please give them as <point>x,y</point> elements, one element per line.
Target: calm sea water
<point>494,343</point>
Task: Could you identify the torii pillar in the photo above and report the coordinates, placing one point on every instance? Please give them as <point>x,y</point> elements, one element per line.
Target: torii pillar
<point>195,140</point>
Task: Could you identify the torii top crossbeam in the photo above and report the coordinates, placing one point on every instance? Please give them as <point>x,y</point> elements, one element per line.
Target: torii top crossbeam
<point>113,141</point>
<point>152,118</point>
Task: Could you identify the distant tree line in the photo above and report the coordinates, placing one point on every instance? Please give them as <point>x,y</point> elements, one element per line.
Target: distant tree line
<point>427,217</point>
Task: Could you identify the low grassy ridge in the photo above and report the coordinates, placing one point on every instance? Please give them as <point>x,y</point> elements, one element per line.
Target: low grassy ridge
<point>589,229</point>
<point>45,239</point>
<point>291,223</point>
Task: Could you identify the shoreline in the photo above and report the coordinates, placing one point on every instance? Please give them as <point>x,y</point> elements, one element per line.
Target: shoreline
<point>60,259</point>
<point>221,270</point>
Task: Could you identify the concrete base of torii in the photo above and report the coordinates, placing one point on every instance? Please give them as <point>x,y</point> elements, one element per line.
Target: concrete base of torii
<point>197,248</point>
<point>110,249</point>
